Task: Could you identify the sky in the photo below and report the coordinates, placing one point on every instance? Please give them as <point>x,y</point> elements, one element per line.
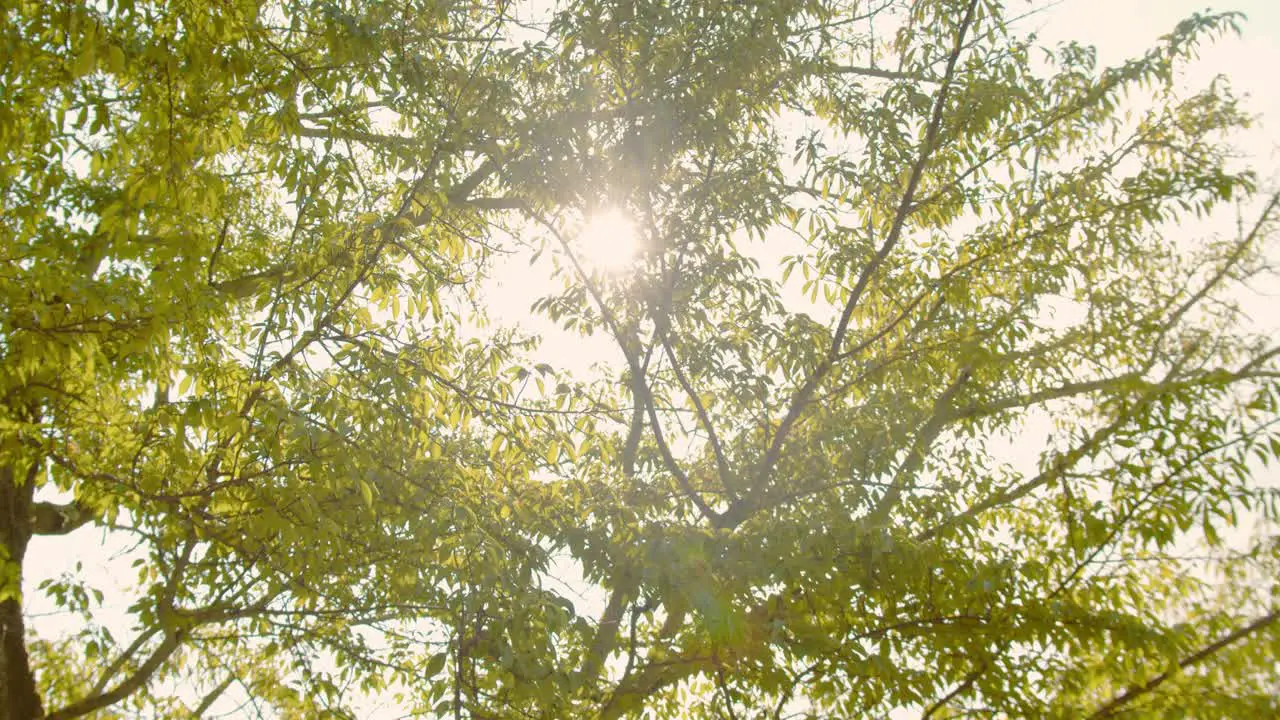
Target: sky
<point>1119,29</point>
<point>1124,28</point>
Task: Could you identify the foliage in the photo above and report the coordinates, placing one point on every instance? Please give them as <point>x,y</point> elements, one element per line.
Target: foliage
<point>246,248</point>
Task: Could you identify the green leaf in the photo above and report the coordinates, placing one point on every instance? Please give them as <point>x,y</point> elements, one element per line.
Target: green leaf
<point>434,665</point>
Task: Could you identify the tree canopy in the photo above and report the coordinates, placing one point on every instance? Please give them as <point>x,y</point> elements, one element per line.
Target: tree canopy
<point>926,398</point>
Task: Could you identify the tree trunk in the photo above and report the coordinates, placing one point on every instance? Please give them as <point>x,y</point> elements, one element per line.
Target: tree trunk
<point>18,697</point>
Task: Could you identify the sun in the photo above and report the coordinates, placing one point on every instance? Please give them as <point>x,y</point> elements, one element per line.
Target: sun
<point>608,240</point>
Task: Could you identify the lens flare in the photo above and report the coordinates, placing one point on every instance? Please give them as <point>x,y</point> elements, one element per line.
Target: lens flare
<point>608,241</point>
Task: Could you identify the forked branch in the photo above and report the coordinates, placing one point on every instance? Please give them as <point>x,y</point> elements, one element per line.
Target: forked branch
<point>805,394</point>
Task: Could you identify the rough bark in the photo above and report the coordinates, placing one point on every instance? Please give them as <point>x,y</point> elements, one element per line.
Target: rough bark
<point>18,697</point>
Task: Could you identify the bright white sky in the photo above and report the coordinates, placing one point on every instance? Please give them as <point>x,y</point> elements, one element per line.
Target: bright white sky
<point>1119,28</point>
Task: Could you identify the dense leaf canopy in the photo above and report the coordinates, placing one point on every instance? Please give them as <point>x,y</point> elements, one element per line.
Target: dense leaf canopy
<point>923,397</point>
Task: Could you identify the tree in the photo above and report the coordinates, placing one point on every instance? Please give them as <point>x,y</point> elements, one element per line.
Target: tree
<point>243,325</point>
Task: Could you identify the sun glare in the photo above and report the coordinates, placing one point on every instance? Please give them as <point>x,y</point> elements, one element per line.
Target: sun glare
<point>608,241</point>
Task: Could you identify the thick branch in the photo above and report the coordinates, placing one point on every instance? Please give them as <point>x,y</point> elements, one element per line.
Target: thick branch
<point>653,677</point>
<point>606,634</point>
<point>1136,691</point>
<point>128,686</point>
<point>462,191</point>
<point>1043,395</point>
<point>929,432</point>
<point>955,692</point>
<point>53,519</point>
<point>212,697</point>
<point>122,658</point>
<point>246,285</point>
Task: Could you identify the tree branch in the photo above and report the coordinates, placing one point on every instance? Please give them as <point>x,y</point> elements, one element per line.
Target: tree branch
<point>1060,465</point>
<point>123,658</point>
<point>879,73</point>
<point>929,432</point>
<point>212,697</point>
<point>494,203</point>
<point>652,678</point>
<point>639,382</point>
<point>462,191</point>
<point>368,138</point>
<point>958,690</point>
<point>722,461</point>
<point>54,519</point>
<point>172,641</point>
<point>905,206</point>
<point>1136,691</point>
<point>606,634</point>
